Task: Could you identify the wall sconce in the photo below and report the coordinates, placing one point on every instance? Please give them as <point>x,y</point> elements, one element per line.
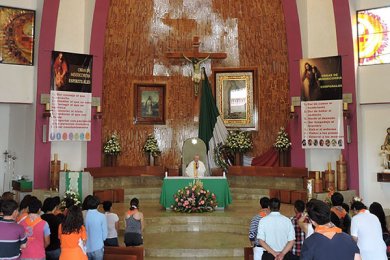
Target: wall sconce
<point>346,113</point>
<point>293,114</point>
<point>47,112</point>
<point>98,114</point>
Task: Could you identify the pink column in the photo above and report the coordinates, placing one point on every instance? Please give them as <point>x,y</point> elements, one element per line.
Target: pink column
<point>94,148</point>
<point>294,47</point>
<point>345,48</point>
<point>46,45</point>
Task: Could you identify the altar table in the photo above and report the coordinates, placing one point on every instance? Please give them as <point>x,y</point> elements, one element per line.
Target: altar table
<point>217,185</point>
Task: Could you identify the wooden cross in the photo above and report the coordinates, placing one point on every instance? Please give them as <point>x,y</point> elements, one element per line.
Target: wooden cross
<point>196,58</point>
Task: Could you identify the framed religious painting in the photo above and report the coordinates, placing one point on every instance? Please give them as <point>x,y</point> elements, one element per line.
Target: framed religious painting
<point>149,103</point>
<point>16,36</point>
<point>235,96</point>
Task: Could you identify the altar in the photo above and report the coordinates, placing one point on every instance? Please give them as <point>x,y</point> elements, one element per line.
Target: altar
<point>218,185</point>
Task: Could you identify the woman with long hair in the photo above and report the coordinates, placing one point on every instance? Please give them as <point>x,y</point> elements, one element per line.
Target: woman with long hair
<point>377,209</point>
<point>73,235</point>
<point>134,224</point>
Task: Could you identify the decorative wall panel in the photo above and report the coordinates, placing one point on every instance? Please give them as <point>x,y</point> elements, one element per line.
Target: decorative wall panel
<point>138,35</point>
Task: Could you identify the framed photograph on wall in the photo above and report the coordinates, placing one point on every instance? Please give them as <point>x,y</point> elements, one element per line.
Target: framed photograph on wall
<point>234,94</point>
<point>149,100</point>
<point>16,36</point>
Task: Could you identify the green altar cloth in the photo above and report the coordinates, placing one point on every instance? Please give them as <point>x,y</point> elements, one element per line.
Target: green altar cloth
<point>218,185</point>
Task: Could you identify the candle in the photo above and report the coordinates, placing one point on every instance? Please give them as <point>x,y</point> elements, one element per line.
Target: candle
<point>317,175</point>
<point>98,109</point>
<point>56,157</point>
<point>292,109</point>
<point>47,106</point>
<point>65,166</point>
<point>329,166</point>
<point>345,106</point>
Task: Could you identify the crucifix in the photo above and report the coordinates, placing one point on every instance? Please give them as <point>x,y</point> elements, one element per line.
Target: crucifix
<point>196,58</point>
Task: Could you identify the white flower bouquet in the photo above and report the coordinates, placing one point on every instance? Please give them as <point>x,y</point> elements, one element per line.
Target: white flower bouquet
<point>112,146</point>
<point>151,146</point>
<point>238,141</point>
<point>282,142</point>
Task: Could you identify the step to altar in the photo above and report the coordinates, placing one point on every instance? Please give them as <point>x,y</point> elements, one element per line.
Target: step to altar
<point>196,244</point>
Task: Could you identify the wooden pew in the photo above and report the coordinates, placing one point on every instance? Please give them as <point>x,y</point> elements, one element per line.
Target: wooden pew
<point>137,251</point>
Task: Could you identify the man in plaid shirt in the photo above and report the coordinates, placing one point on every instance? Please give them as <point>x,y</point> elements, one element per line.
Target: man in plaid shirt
<point>257,249</point>
<point>299,207</point>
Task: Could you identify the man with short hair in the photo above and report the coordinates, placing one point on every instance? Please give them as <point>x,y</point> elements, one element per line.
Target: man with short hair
<point>96,225</point>
<point>257,249</point>
<point>299,208</point>
<point>275,233</point>
<point>12,235</point>
<point>339,216</point>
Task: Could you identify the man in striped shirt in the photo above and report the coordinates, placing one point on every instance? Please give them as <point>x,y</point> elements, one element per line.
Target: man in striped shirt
<point>12,235</point>
<point>299,208</point>
<point>257,249</point>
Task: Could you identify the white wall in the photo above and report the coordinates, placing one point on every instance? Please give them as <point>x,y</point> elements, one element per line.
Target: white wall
<point>73,34</point>
<point>318,35</point>
<point>374,119</point>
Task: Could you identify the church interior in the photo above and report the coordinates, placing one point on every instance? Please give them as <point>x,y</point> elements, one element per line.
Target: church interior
<point>168,51</point>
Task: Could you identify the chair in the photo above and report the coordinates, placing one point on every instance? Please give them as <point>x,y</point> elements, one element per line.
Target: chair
<point>191,147</point>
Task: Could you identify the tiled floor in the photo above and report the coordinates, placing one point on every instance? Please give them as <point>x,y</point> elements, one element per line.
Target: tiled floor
<point>224,238</point>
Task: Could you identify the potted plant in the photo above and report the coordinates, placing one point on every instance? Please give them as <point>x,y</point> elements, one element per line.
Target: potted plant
<point>151,147</point>
<point>112,149</point>
<point>282,145</point>
<point>238,142</point>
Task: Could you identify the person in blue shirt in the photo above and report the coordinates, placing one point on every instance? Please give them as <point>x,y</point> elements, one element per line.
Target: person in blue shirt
<point>96,225</point>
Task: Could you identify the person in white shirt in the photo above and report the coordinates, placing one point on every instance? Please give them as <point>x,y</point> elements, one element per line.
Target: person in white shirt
<point>195,168</point>
<point>276,233</point>
<point>112,225</point>
<point>367,232</point>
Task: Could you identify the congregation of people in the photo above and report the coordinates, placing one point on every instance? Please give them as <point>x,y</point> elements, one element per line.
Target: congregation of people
<point>319,231</point>
<point>63,230</point>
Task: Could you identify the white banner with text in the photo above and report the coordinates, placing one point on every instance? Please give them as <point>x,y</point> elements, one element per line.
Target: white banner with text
<point>322,124</point>
<point>70,118</point>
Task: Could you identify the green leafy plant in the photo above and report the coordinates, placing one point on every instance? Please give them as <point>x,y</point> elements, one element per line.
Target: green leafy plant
<point>151,146</point>
<point>112,146</point>
<point>282,142</point>
<point>239,141</point>
<point>194,199</point>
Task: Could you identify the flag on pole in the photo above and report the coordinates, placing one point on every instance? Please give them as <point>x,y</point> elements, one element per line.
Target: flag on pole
<point>211,127</point>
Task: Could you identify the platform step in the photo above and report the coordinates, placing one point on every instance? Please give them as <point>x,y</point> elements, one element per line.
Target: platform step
<point>196,244</point>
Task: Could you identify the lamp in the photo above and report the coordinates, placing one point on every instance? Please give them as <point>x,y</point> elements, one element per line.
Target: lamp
<point>293,114</point>
<point>47,112</point>
<point>98,114</point>
<point>346,113</point>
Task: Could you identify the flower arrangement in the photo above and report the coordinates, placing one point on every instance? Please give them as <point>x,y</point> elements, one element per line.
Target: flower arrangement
<point>72,196</point>
<point>282,142</point>
<point>239,141</point>
<point>194,199</point>
<point>151,146</point>
<point>112,146</point>
<point>220,155</point>
<point>356,199</point>
<point>328,198</point>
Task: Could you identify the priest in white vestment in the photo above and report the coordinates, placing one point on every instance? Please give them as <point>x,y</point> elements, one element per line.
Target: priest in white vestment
<point>195,168</point>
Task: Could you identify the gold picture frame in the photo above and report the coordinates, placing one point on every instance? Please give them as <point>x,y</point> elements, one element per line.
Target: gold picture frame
<point>235,97</point>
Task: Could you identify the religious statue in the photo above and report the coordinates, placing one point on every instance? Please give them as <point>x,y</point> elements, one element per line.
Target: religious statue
<point>196,75</point>
<point>385,149</point>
